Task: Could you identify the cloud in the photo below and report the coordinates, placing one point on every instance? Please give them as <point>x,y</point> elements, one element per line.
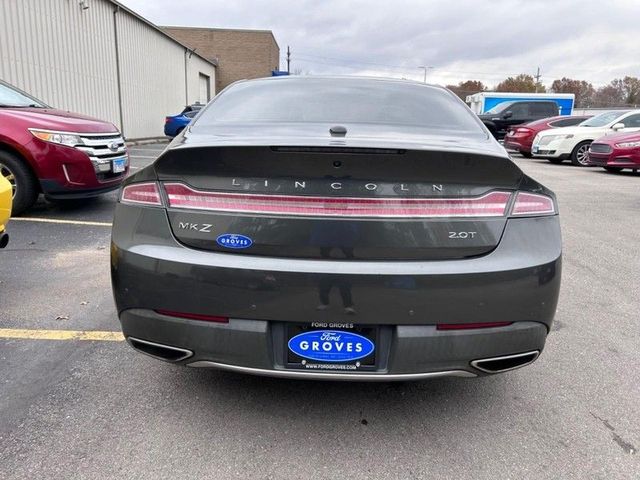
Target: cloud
<point>462,39</point>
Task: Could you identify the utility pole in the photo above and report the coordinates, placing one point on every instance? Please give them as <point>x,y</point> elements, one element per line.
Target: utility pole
<point>537,77</point>
<point>288,60</point>
<point>425,68</point>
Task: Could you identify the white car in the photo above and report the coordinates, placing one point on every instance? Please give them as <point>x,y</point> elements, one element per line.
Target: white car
<point>559,144</point>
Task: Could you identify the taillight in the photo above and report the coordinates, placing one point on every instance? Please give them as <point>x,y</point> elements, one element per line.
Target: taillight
<point>167,119</point>
<point>142,193</point>
<point>493,204</point>
<point>194,316</point>
<point>470,326</point>
<point>523,130</point>
<point>533,204</point>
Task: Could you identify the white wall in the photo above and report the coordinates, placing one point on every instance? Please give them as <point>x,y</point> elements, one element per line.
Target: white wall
<point>196,66</point>
<point>66,56</point>
<point>61,54</point>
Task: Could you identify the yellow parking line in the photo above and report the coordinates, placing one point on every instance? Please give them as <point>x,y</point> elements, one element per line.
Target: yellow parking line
<point>61,334</point>
<point>57,220</point>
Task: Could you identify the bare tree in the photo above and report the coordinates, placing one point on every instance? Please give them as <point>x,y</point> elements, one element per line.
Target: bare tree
<point>520,83</point>
<point>582,89</point>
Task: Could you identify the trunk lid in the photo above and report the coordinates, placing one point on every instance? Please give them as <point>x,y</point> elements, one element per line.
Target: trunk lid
<point>336,199</point>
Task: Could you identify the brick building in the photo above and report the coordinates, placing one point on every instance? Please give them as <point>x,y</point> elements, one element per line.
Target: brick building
<point>239,53</point>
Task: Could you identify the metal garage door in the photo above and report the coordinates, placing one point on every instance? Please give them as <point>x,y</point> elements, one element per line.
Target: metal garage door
<point>205,89</point>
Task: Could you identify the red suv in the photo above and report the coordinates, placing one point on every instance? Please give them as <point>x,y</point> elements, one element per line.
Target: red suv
<point>58,153</point>
<point>521,137</point>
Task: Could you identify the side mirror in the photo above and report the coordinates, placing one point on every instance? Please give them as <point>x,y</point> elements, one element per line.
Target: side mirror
<point>617,126</point>
<point>507,114</point>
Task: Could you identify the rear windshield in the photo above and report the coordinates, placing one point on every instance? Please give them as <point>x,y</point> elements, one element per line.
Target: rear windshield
<point>340,101</point>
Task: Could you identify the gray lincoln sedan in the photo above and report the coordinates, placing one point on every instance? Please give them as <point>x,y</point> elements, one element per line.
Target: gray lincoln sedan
<point>337,228</point>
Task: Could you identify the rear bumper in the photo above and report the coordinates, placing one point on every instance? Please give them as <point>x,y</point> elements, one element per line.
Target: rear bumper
<point>513,144</point>
<point>518,282</point>
<point>406,352</point>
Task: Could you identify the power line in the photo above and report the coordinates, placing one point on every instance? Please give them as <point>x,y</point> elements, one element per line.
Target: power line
<point>404,68</point>
<point>408,67</point>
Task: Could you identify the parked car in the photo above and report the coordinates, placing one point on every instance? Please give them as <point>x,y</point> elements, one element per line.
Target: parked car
<point>573,143</point>
<point>58,153</point>
<point>174,124</point>
<point>5,210</point>
<point>505,115</point>
<point>520,138</point>
<point>194,107</point>
<point>365,232</point>
<point>616,152</point>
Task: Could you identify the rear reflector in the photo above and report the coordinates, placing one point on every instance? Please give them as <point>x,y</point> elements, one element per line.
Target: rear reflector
<point>194,316</point>
<point>141,193</point>
<point>492,204</point>
<point>533,204</point>
<point>470,326</point>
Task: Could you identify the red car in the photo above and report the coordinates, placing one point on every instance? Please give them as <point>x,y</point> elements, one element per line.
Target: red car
<point>521,137</point>
<point>615,152</point>
<point>58,153</point>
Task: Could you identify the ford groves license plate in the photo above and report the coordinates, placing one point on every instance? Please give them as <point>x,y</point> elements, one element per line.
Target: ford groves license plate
<point>331,347</point>
<point>118,165</point>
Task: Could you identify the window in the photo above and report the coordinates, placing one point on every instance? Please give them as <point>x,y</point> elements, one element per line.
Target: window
<point>567,122</point>
<point>519,110</point>
<point>632,121</point>
<point>342,101</point>
<point>538,109</point>
<point>10,97</point>
<point>602,120</point>
<point>191,114</point>
<point>499,108</point>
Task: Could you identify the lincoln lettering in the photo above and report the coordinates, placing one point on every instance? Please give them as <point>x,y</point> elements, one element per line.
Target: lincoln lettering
<point>302,185</point>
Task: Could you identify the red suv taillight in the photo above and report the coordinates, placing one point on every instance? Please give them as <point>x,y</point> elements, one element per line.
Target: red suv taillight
<point>142,194</point>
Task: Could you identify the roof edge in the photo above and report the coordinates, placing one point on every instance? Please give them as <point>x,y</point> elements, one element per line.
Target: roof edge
<point>159,29</point>
<point>219,29</point>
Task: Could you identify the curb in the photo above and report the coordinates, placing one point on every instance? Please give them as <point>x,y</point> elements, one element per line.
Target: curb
<point>147,141</point>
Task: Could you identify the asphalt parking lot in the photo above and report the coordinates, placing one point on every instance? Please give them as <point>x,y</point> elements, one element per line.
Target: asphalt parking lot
<point>93,408</point>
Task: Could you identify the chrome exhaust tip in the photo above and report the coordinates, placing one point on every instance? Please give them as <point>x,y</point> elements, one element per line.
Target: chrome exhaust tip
<point>159,351</point>
<point>506,362</point>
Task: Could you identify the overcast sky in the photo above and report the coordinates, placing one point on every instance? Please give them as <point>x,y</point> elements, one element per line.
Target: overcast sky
<point>461,39</point>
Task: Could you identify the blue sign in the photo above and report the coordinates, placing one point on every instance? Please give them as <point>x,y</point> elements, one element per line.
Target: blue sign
<point>331,346</point>
<point>233,240</point>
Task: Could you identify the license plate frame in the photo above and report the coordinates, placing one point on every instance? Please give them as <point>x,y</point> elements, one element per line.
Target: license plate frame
<point>119,165</point>
<point>368,363</point>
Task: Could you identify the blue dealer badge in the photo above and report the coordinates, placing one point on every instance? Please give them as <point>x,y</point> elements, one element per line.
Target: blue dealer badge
<point>234,240</point>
